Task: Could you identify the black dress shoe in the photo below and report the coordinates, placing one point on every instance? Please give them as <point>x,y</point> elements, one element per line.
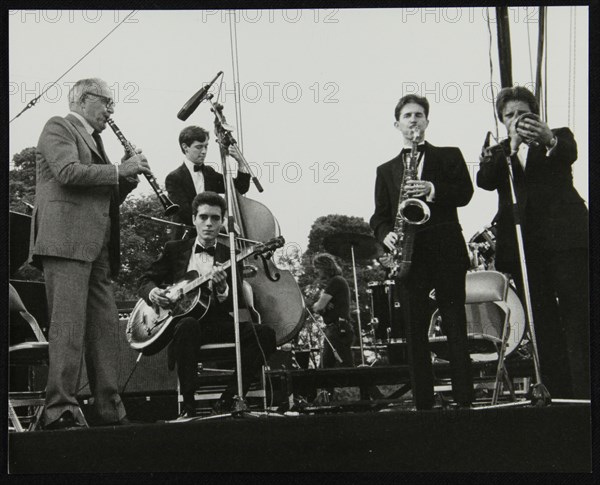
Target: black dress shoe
<point>222,406</point>
<point>66,421</point>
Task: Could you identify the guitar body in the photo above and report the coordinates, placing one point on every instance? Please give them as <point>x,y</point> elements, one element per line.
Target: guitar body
<point>150,327</point>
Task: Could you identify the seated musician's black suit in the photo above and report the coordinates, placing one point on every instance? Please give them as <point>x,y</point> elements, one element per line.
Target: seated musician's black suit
<point>181,190</point>
<point>216,326</point>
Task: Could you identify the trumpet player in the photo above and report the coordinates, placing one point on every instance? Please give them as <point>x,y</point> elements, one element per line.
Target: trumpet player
<point>75,241</point>
<point>439,257</point>
<point>554,222</point>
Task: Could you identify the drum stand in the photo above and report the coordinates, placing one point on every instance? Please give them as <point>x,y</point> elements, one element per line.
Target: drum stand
<point>360,335</point>
<point>335,352</point>
<point>539,395</point>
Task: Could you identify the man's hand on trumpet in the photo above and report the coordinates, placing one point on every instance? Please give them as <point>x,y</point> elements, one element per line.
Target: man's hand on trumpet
<point>530,129</point>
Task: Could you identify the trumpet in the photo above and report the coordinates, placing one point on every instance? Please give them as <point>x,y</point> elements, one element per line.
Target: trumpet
<point>532,116</point>
<point>169,206</point>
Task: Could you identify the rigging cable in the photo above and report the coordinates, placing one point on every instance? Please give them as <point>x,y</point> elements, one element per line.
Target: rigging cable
<point>539,89</point>
<point>236,76</point>
<point>491,70</point>
<point>545,64</point>
<point>529,46</point>
<point>572,68</point>
<point>32,103</point>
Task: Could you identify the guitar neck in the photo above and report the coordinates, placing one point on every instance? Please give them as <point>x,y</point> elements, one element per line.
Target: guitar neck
<point>195,283</point>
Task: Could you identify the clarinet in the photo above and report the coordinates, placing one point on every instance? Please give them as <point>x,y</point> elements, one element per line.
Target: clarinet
<point>170,207</point>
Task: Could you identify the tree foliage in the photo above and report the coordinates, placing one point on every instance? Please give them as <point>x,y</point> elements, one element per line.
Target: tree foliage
<point>22,180</point>
<point>366,271</point>
<point>142,241</point>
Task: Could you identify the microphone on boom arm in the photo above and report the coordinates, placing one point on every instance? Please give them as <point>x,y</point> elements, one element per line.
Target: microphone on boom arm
<point>195,100</point>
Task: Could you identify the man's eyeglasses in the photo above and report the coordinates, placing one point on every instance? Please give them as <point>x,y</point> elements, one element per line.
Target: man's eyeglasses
<point>109,103</point>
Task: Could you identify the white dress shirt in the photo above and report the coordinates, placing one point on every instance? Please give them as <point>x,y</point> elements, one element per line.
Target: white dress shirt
<point>203,263</point>
<point>197,177</point>
<point>523,151</point>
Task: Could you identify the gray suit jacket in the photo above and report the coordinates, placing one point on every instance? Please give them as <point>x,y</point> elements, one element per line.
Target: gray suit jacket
<point>77,196</point>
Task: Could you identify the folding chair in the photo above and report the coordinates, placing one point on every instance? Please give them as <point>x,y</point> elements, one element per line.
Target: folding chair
<point>28,354</point>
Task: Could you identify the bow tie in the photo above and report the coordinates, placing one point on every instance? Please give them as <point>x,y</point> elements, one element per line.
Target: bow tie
<point>420,149</point>
<point>199,168</point>
<point>210,251</point>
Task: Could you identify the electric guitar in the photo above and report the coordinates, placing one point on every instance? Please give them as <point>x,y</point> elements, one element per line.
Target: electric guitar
<point>150,327</point>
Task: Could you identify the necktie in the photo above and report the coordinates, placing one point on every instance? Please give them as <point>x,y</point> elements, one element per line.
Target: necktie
<point>420,149</point>
<point>98,139</point>
<point>199,168</point>
<point>210,251</point>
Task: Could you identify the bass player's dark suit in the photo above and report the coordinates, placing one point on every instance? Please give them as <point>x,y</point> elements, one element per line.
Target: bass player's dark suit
<point>440,261</point>
<point>181,190</point>
<point>216,326</point>
<point>554,220</point>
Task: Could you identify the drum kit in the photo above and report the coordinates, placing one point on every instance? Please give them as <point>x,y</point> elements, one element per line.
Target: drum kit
<point>386,320</point>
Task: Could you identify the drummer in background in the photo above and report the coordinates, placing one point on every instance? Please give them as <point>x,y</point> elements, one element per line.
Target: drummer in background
<point>334,306</point>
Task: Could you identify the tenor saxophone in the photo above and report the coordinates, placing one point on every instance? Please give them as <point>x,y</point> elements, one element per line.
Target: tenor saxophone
<point>411,212</point>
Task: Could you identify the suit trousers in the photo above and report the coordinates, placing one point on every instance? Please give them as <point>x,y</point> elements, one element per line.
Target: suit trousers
<point>559,290</point>
<point>257,345</point>
<point>84,323</point>
<point>448,280</point>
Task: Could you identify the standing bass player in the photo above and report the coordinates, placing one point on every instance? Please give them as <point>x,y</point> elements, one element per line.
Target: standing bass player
<point>439,254</point>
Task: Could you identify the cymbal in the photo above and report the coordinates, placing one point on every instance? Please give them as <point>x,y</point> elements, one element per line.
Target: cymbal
<point>341,244</point>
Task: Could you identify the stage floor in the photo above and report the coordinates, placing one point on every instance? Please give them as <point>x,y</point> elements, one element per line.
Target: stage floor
<point>521,439</point>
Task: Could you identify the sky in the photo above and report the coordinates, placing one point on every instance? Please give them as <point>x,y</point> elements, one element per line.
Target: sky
<point>318,90</point>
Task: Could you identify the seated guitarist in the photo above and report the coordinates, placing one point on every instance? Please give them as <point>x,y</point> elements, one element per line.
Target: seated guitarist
<point>204,254</point>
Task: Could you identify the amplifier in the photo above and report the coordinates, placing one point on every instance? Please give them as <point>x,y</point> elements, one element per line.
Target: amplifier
<point>151,373</point>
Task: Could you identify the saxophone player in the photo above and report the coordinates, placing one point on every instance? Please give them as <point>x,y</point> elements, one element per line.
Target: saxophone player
<point>439,256</point>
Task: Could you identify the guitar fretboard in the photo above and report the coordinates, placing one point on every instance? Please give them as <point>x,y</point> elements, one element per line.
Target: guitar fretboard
<point>195,283</point>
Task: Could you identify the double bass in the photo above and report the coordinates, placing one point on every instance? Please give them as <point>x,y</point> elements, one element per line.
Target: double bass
<point>272,293</point>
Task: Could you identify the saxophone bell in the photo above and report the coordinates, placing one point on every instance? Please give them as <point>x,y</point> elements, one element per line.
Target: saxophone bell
<point>414,211</point>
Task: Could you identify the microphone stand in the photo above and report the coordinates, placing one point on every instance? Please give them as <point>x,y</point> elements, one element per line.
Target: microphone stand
<point>225,139</point>
<point>538,393</point>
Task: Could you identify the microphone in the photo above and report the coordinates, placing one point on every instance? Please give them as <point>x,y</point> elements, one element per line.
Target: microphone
<point>195,100</point>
